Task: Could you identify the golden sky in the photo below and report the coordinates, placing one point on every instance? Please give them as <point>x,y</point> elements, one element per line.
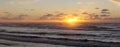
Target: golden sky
<point>46,9</point>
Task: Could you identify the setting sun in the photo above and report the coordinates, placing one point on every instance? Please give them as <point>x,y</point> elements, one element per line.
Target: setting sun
<point>72,20</point>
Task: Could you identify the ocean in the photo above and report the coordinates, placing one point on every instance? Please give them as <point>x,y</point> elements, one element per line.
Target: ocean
<point>59,35</point>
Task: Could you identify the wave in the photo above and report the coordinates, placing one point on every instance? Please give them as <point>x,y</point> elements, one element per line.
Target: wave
<point>90,35</point>
<point>59,41</point>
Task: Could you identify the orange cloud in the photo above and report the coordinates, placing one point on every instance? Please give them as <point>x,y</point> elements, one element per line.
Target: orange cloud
<point>116,2</point>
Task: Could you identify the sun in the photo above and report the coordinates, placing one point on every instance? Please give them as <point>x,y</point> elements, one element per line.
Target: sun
<point>71,21</point>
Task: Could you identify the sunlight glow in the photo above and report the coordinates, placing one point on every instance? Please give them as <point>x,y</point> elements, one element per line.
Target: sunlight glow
<point>71,21</point>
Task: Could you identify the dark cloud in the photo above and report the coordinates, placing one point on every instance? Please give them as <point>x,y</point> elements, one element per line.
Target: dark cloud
<point>105,10</point>
<point>60,14</point>
<point>57,15</point>
<point>84,13</point>
<point>46,16</point>
<point>21,16</point>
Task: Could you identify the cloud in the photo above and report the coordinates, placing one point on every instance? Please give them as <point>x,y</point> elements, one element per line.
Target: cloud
<point>116,2</point>
<point>4,15</point>
<point>79,3</point>
<point>46,16</point>
<point>21,2</point>
<point>86,3</point>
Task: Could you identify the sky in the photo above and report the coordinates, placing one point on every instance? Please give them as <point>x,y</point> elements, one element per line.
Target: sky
<point>34,9</point>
